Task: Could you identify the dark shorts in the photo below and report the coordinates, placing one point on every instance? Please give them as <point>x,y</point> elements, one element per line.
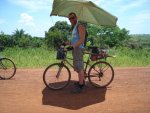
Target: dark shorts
<point>77,54</point>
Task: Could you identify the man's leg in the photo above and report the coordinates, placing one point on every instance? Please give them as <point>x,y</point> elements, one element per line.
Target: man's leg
<point>81,77</point>
<point>78,67</point>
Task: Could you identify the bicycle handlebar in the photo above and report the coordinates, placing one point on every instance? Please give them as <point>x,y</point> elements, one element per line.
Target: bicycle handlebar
<point>102,53</point>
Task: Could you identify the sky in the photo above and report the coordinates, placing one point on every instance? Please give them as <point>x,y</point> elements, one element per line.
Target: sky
<point>33,16</point>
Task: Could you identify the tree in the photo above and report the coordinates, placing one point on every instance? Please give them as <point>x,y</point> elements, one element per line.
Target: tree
<point>17,35</point>
<point>37,42</point>
<point>99,35</point>
<point>6,40</point>
<point>116,37</point>
<point>52,38</point>
<point>108,36</point>
<point>57,33</point>
<point>20,39</point>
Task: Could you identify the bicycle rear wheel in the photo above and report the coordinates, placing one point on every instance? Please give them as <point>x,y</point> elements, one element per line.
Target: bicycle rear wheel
<point>101,74</point>
<point>7,68</point>
<point>56,76</point>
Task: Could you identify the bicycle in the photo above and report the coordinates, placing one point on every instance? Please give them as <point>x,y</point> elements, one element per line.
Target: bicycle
<point>7,68</point>
<point>100,74</point>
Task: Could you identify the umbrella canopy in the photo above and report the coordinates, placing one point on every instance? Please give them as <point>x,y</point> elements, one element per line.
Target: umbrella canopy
<point>86,11</point>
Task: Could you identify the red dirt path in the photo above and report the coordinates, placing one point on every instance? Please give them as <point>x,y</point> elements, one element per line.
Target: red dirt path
<point>26,93</point>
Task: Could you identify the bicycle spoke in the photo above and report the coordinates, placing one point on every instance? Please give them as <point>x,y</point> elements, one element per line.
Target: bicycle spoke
<point>101,74</point>
<point>107,67</point>
<point>7,68</point>
<point>56,76</point>
<point>94,75</point>
<point>58,73</point>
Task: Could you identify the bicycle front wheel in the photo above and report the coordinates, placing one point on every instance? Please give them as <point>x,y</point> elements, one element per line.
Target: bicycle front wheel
<point>101,74</point>
<point>56,76</point>
<point>7,68</point>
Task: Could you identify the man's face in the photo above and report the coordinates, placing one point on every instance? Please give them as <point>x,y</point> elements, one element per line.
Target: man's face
<point>73,19</point>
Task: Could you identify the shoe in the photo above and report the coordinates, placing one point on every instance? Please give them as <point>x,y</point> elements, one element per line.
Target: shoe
<point>77,83</point>
<point>77,89</point>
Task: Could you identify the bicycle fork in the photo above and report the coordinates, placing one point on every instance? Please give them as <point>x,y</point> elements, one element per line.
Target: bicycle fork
<point>59,70</point>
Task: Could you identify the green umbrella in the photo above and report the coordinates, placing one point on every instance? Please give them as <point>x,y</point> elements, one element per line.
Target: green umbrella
<point>85,10</point>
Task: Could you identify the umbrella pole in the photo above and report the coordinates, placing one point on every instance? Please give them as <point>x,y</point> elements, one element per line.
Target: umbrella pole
<point>52,20</point>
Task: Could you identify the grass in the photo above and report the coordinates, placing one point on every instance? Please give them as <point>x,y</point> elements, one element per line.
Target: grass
<point>130,58</point>
<point>41,58</point>
<point>30,58</point>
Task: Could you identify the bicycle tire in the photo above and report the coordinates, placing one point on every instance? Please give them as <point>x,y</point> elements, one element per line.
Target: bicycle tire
<point>54,82</point>
<point>7,68</point>
<point>101,74</point>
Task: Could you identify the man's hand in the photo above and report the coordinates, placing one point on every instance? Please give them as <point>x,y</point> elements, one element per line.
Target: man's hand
<point>69,48</point>
<point>64,43</point>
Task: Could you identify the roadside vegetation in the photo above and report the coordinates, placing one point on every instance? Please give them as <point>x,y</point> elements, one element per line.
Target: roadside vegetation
<point>38,52</point>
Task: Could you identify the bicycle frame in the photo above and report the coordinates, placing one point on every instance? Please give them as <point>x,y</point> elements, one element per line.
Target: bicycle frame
<point>65,61</point>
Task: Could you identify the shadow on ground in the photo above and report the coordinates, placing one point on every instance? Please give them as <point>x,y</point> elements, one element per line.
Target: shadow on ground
<point>63,98</point>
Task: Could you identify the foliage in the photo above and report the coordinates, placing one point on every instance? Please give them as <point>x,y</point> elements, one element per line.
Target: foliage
<point>6,40</point>
<point>139,41</point>
<point>109,36</point>
<point>52,38</point>
<point>20,39</point>
<point>98,35</point>
<point>57,33</point>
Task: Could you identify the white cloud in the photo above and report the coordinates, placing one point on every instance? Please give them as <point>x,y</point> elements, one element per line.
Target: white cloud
<point>26,20</point>
<point>31,26</point>
<point>33,5</point>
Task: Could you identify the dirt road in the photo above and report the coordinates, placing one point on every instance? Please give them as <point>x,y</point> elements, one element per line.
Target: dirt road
<point>26,93</point>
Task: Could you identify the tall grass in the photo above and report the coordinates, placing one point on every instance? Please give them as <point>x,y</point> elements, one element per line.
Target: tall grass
<point>126,57</point>
<point>30,58</point>
<point>41,58</point>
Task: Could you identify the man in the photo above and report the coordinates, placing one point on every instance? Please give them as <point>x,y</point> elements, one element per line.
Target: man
<point>77,46</point>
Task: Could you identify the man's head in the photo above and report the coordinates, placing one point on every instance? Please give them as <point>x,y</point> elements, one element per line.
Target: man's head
<point>73,18</point>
